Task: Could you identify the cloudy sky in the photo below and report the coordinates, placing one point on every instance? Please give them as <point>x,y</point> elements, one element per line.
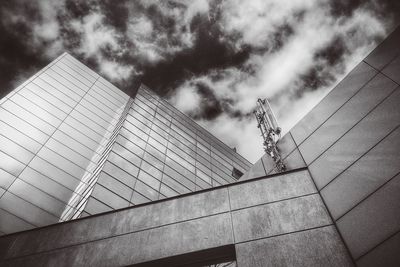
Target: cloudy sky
<point>211,59</point>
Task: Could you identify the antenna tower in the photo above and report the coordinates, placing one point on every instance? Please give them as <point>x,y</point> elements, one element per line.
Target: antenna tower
<point>270,131</point>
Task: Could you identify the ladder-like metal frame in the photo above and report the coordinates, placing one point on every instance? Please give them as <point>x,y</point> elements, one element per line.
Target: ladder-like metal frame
<point>270,132</point>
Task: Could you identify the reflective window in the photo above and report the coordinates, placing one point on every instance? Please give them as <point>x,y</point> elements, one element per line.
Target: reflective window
<point>58,175</point>
<point>151,169</point>
<point>46,184</point>
<point>115,186</point>
<point>149,180</point>
<point>6,179</point>
<point>14,150</point>
<point>119,174</point>
<point>19,138</point>
<point>130,146</point>
<point>123,164</point>
<point>29,117</point>
<point>145,191</point>
<point>37,197</point>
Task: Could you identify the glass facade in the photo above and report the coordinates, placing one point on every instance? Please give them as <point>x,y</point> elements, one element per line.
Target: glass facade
<point>72,144</point>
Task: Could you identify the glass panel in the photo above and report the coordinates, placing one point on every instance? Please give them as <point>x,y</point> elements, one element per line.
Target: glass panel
<point>186,180</point>
<point>46,184</point>
<point>203,176</point>
<point>61,92</point>
<point>19,138</point>
<point>77,135</point>
<point>26,211</point>
<point>14,150</point>
<point>39,111</point>
<point>145,190</point>
<point>60,86</point>
<point>99,95</point>
<point>37,197</point>
<point>149,180</point>
<point>70,77</point>
<point>126,154</point>
<point>108,94</point>
<point>137,198</point>
<point>123,164</point>
<point>94,206</point>
<point>180,160</point>
<point>119,174</point>
<point>6,179</point>
<point>81,127</point>
<point>83,113</point>
<point>133,129</point>
<point>76,146</point>
<point>71,155</point>
<point>62,163</point>
<point>129,145</point>
<point>160,147</point>
<point>106,196</point>
<point>101,108</point>
<point>35,89</point>
<point>115,186</point>
<point>132,137</point>
<point>152,169</point>
<point>10,223</point>
<point>77,72</point>
<point>55,173</point>
<point>29,117</point>
<point>178,187</point>
<point>154,157</point>
<point>10,164</point>
<point>167,191</point>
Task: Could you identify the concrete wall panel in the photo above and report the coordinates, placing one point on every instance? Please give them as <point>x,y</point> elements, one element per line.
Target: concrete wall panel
<point>365,176</point>
<point>367,133</point>
<point>279,218</point>
<point>373,220</point>
<point>125,221</point>
<point>271,189</point>
<point>386,254</point>
<point>385,52</point>
<point>353,82</point>
<point>346,117</point>
<point>142,246</point>
<point>316,247</point>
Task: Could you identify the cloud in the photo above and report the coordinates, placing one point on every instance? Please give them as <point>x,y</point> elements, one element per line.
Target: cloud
<point>294,69</point>
<point>211,58</point>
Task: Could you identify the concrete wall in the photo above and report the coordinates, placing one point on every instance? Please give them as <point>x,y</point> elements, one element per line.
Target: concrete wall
<point>350,143</point>
<point>273,221</point>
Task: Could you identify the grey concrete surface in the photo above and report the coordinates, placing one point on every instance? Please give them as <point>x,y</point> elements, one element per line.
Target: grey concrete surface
<point>316,247</point>
<point>279,218</point>
<point>172,228</point>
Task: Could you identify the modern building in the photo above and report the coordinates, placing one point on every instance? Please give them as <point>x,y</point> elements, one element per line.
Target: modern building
<point>338,203</point>
<point>74,145</point>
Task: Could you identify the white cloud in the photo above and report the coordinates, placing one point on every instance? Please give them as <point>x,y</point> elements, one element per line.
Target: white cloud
<point>116,71</point>
<point>186,99</point>
<point>277,73</point>
<point>95,35</point>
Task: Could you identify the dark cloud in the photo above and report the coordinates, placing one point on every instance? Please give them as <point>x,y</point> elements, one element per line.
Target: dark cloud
<point>210,106</point>
<point>207,53</point>
<point>17,60</point>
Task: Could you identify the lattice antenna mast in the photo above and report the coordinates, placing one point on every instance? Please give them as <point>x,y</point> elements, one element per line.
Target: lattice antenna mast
<point>270,131</point>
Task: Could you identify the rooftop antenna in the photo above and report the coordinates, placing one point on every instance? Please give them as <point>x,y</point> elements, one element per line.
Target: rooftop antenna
<point>270,131</point>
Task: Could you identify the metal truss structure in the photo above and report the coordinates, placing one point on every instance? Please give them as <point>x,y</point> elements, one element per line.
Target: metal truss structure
<point>270,131</point>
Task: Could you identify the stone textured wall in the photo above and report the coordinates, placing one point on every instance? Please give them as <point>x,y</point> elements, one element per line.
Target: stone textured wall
<point>273,221</point>
<point>350,143</point>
